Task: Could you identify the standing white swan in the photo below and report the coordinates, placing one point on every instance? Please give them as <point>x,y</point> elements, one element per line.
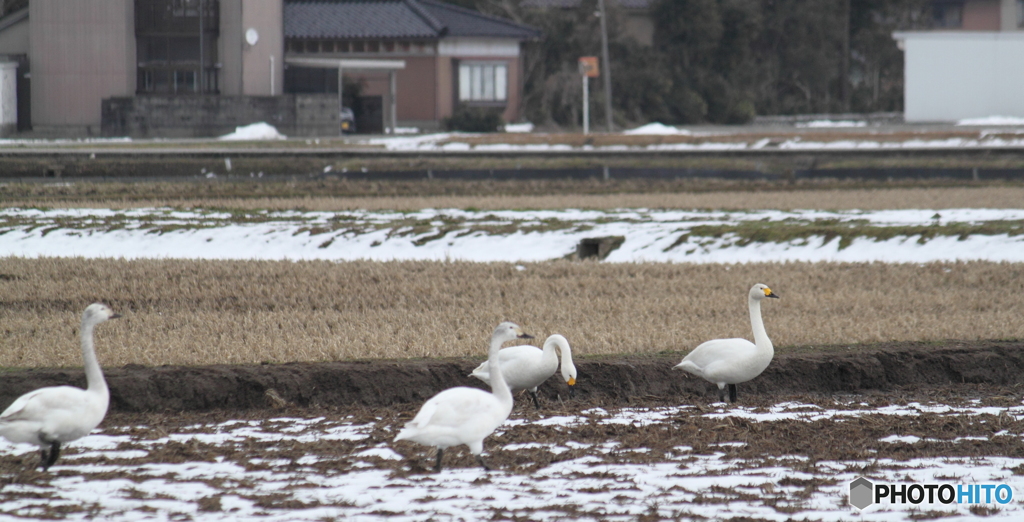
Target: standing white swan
<point>466,415</point>
<point>49,417</point>
<point>526,367</point>
<point>732,361</point>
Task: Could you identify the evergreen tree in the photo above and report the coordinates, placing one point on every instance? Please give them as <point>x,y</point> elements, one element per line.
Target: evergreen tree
<point>716,61</point>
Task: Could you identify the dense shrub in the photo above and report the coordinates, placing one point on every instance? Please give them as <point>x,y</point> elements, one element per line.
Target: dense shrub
<point>474,119</point>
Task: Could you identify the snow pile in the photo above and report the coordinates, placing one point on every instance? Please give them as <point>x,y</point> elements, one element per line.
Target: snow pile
<point>254,132</point>
<point>992,120</point>
<point>825,124</point>
<point>657,129</point>
<point>519,127</point>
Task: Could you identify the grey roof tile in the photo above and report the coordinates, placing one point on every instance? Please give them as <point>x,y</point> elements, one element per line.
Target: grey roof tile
<point>566,4</point>
<point>466,22</point>
<point>355,19</point>
<point>394,19</point>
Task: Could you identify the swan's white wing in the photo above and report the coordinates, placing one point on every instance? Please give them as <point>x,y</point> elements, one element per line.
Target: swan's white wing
<point>525,368</point>
<point>719,349</point>
<point>482,372</point>
<point>38,404</point>
<point>62,413</point>
<point>522,366</point>
<point>722,360</point>
<point>454,407</point>
<point>714,352</point>
<point>17,408</point>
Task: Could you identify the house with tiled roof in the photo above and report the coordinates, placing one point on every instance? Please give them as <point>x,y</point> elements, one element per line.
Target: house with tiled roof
<point>202,67</point>
<point>452,56</point>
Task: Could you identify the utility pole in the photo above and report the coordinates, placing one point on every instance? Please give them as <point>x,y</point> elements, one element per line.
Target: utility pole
<point>845,74</point>
<point>202,88</point>
<point>607,67</point>
<point>588,69</point>
<point>586,105</point>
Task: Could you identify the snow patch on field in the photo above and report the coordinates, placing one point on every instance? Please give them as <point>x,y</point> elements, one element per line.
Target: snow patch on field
<point>484,236</point>
<point>97,480</point>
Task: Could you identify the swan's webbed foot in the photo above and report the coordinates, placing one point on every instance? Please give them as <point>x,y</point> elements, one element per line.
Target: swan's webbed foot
<point>49,458</point>
<point>437,466</point>
<point>480,459</point>
<point>732,393</point>
<point>536,400</point>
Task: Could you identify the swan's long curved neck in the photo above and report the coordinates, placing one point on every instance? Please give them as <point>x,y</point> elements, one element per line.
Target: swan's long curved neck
<point>93,373</point>
<point>757,324</point>
<point>566,353</point>
<point>551,350</point>
<point>499,387</point>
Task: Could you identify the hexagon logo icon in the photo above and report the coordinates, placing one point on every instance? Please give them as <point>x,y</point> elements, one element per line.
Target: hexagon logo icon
<point>861,492</point>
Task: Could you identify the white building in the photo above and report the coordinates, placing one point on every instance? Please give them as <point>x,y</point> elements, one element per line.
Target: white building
<point>971,67</point>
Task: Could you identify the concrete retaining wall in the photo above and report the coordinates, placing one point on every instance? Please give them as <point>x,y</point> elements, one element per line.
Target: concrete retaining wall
<point>206,116</point>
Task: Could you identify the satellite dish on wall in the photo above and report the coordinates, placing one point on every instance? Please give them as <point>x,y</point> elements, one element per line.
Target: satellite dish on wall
<point>251,36</point>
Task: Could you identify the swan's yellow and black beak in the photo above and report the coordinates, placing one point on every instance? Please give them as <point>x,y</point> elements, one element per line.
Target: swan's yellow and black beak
<point>768,293</point>
<point>524,335</point>
<point>114,316</point>
<point>572,387</point>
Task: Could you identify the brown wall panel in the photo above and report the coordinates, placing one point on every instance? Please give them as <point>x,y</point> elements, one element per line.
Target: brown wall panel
<point>81,52</point>
<point>981,15</point>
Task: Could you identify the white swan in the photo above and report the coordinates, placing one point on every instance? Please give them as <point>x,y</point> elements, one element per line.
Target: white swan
<point>466,415</point>
<point>526,367</point>
<point>732,361</point>
<point>49,417</point>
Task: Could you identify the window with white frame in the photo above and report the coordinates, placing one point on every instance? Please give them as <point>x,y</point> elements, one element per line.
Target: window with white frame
<point>483,82</point>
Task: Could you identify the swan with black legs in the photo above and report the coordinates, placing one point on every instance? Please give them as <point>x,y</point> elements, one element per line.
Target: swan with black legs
<point>50,417</point>
<point>526,367</point>
<point>728,362</point>
<point>465,415</point>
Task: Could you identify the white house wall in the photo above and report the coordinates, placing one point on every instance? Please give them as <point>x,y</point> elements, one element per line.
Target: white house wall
<point>951,76</point>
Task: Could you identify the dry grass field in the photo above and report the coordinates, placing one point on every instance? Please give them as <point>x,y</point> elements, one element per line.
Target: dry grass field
<point>204,312</point>
<point>342,195</point>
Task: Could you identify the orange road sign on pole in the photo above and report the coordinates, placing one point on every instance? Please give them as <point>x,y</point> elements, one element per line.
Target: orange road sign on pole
<point>588,67</point>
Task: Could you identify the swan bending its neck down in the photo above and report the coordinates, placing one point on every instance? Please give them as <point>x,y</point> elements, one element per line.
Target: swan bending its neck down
<point>732,361</point>
<point>526,367</point>
<point>466,415</point>
<point>49,417</point>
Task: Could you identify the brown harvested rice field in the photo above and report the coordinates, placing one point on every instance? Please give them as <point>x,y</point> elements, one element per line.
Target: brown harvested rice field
<point>342,195</point>
<point>206,312</point>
